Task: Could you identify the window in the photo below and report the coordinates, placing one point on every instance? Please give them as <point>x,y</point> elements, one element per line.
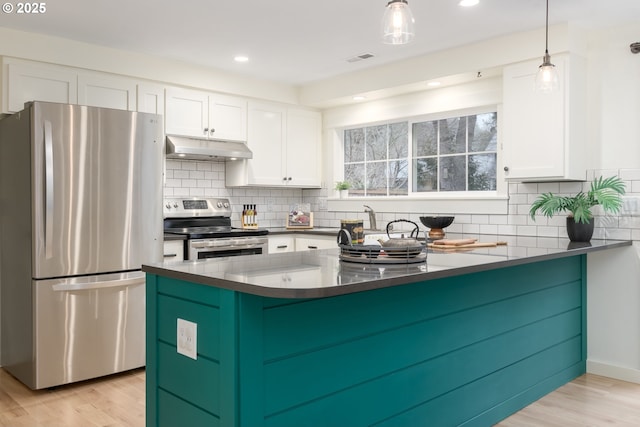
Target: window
<point>376,160</point>
<point>452,154</point>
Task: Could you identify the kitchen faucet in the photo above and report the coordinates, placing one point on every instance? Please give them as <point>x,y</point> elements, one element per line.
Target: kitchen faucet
<point>372,217</point>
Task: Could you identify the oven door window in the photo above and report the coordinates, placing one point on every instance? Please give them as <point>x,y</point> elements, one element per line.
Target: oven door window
<point>229,252</point>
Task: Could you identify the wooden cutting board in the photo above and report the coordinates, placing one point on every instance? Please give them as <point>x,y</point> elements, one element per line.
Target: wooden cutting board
<point>456,242</point>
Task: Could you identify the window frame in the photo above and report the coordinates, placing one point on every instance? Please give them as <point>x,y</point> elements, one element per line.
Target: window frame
<point>448,202</point>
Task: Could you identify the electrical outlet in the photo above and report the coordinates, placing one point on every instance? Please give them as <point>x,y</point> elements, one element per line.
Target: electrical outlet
<point>187,338</point>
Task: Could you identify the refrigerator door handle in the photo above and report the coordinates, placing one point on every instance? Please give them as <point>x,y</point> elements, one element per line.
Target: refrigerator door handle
<point>48,171</point>
<point>79,285</point>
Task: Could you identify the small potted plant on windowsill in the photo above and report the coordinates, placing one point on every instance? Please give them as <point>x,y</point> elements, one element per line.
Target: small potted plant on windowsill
<point>343,189</point>
<point>606,192</point>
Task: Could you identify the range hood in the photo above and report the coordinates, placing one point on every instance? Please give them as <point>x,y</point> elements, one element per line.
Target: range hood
<point>180,147</point>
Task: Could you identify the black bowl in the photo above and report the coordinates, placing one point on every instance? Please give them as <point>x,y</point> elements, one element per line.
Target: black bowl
<point>437,222</point>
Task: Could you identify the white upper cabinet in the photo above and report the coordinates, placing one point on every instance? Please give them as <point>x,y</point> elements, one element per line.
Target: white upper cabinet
<point>227,118</point>
<point>25,81</point>
<point>205,115</point>
<point>543,135</point>
<point>286,148</point>
<point>187,112</point>
<point>302,155</point>
<point>100,90</point>
<point>150,98</point>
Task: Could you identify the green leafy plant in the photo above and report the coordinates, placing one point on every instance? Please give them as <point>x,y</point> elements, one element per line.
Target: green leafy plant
<point>604,191</point>
<point>342,185</point>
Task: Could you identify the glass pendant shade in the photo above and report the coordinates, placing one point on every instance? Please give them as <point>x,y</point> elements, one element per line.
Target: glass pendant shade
<point>547,76</point>
<point>397,23</point>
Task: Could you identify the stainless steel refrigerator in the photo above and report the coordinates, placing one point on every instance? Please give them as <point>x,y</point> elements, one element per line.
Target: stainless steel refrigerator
<point>80,212</point>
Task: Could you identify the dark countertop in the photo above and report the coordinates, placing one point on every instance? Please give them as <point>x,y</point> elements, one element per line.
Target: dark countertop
<point>321,273</point>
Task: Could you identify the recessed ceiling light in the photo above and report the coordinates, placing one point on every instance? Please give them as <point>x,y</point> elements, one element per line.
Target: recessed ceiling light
<point>241,58</point>
<point>468,3</point>
<point>359,98</point>
<point>434,84</point>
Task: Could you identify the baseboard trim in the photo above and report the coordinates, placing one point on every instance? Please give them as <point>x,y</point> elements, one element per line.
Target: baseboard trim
<point>612,371</point>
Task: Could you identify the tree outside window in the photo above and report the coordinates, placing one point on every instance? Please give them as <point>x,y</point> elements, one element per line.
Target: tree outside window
<point>452,154</point>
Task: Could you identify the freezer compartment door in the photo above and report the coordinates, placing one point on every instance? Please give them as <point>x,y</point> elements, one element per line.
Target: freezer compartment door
<point>88,327</point>
<point>97,181</point>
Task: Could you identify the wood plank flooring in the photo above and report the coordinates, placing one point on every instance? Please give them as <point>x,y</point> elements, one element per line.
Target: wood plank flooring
<point>114,401</point>
<point>118,401</point>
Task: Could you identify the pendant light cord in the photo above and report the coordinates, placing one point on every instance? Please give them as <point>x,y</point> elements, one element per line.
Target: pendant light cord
<point>546,41</point>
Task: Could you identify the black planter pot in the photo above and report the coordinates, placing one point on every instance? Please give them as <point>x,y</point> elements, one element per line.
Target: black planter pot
<point>579,232</point>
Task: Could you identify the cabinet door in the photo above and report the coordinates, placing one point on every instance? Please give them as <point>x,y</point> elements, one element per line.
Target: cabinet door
<point>537,127</point>
<point>278,244</point>
<point>187,112</point>
<point>227,118</point>
<point>303,148</point>
<point>174,250</point>
<point>150,98</point>
<point>310,243</point>
<point>98,90</point>
<point>27,82</point>
<point>266,140</point>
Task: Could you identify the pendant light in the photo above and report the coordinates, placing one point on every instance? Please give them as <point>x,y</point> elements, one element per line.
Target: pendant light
<point>547,76</point>
<point>397,23</point>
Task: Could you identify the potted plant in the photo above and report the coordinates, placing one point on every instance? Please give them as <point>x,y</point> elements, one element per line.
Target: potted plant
<point>343,188</point>
<point>606,192</point>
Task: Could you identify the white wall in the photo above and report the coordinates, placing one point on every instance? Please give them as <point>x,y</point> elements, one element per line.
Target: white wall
<point>61,51</point>
<point>614,98</point>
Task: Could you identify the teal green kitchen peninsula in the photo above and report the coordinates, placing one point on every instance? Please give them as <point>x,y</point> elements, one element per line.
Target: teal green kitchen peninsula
<point>305,339</point>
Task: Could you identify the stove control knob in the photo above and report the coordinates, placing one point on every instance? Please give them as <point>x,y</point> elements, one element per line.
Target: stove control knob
<point>168,206</point>
<point>175,205</point>
<point>226,205</point>
<point>219,204</point>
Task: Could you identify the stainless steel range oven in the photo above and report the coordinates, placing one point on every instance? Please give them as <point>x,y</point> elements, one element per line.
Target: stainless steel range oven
<point>206,222</point>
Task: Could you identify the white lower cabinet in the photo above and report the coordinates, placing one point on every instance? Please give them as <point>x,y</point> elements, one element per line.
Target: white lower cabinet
<point>174,250</point>
<point>300,242</point>
<point>281,244</point>
<point>309,243</point>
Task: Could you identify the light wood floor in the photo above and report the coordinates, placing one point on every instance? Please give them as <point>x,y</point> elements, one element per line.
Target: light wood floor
<point>115,401</point>
<point>118,401</point>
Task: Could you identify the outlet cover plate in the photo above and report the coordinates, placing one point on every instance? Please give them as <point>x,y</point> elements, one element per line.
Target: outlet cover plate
<point>187,338</point>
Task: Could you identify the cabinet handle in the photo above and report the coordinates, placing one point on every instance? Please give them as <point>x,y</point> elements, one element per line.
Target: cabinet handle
<point>312,247</point>
<point>283,246</point>
<point>211,131</point>
<point>289,179</point>
<point>506,168</point>
<point>170,255</point>
<point>206,130</point>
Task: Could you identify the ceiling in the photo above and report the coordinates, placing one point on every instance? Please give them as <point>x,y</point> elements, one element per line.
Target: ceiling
<point>298,42</point>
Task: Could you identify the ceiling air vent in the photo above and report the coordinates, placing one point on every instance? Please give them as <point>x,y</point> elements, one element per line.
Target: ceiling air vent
<point>360,57</point>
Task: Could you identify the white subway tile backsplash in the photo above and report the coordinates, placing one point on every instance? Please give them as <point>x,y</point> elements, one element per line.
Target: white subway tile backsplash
<point>488,229</point>
<point>549,187</point>
<point>527,230</point>
<point>480,219</point>
<point>181,174</point>
<point>510,230</point>
<point>193,178</point>
<point>630,174</point>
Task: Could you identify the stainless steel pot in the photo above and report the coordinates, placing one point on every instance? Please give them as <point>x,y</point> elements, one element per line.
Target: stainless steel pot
<point>401,242</point>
